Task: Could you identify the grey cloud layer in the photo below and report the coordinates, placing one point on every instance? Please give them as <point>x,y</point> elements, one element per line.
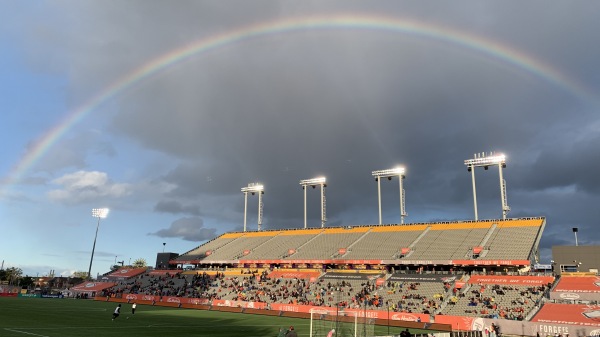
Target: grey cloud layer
<point>345,102</point>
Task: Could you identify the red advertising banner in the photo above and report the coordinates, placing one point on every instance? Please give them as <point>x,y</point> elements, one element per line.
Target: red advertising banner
<point>313,261</point>
<point>491,262</point>
<point>407,316</point>
<point>165,299</point>
<point>239,304</point>
<point>572,314</point>
<point>302,308</point>
<point>514,280</point>
<point>141,297</point>
<point>92,286</point>
<point>291,274</point>
<point>377,314</point>
<point>579,284</point>
<point>458,322</point>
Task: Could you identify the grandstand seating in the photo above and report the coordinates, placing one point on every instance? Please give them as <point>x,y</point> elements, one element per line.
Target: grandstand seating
<point>448,270</point>
<point>408,268</point>
<point>279,245</point>
<point>510,297</point>
<point>239,247</point>
<point>200,251</point>
<point>512,239</point>
<point>327,243</point>
<point>384,242</point>
<point>450,241</point>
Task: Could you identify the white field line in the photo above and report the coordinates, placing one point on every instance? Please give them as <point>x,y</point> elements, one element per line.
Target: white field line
<point>23,332</point>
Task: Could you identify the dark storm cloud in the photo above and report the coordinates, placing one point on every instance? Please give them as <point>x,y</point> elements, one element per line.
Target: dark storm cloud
<point>342,103</point>
<point>571,163</point>
<point>175,207</point>
<point>188,229</point>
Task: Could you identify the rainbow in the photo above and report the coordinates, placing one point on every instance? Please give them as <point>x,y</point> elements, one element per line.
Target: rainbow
<point>485,47</point>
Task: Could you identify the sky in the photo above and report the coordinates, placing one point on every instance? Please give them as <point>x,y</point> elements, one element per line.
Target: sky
<point>163,111</point>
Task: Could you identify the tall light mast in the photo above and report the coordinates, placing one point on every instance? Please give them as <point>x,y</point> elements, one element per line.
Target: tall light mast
<point>399,172</point>
<point>253,188</point>
<point>486,160</point>
<point>321,181</point>
<point>99,213</point>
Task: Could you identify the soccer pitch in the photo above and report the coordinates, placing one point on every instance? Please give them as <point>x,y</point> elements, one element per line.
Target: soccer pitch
<point>21,317</point>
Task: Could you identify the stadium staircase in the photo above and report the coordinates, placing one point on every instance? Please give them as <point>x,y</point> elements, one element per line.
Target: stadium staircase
<point>414,243</point>
<point>306,243</point>
<point>349,248</point>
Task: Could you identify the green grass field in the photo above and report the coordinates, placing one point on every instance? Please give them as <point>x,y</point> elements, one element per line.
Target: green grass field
<point>21,317</point>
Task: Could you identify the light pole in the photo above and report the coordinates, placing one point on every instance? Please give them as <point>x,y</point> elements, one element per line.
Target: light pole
<point>253,188</point>
<point>99,213</point>
<point>387,304</point>
<point>399,172</point>
<point>487,160</point>
<point>321,181</point>
<point>164,244</point>
<point>575,230</point>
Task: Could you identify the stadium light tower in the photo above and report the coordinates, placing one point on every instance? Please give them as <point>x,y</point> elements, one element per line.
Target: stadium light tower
<point>321,181</point>
<point>486,160</point>
<point>99,213</point>
<point>399,172</point>
<point>253,188</point>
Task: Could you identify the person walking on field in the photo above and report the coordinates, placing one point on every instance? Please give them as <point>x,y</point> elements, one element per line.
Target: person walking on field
<point>117,312</point>
<point>133,308</point>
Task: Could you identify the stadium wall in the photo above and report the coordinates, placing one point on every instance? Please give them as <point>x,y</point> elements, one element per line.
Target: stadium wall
<point>517,328</point>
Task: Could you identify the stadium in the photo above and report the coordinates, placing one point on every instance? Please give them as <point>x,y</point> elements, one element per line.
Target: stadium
<point>163,114</point>
<point>473,277</point>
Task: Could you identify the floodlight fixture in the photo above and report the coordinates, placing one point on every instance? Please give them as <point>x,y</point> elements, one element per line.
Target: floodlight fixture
<point>314,182</point>
<point>483,159</point>
<point>398,171</point>
<point>253,188</point>
<point>486,160</point>
<point>99,213</point>
<point>389,173</point>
